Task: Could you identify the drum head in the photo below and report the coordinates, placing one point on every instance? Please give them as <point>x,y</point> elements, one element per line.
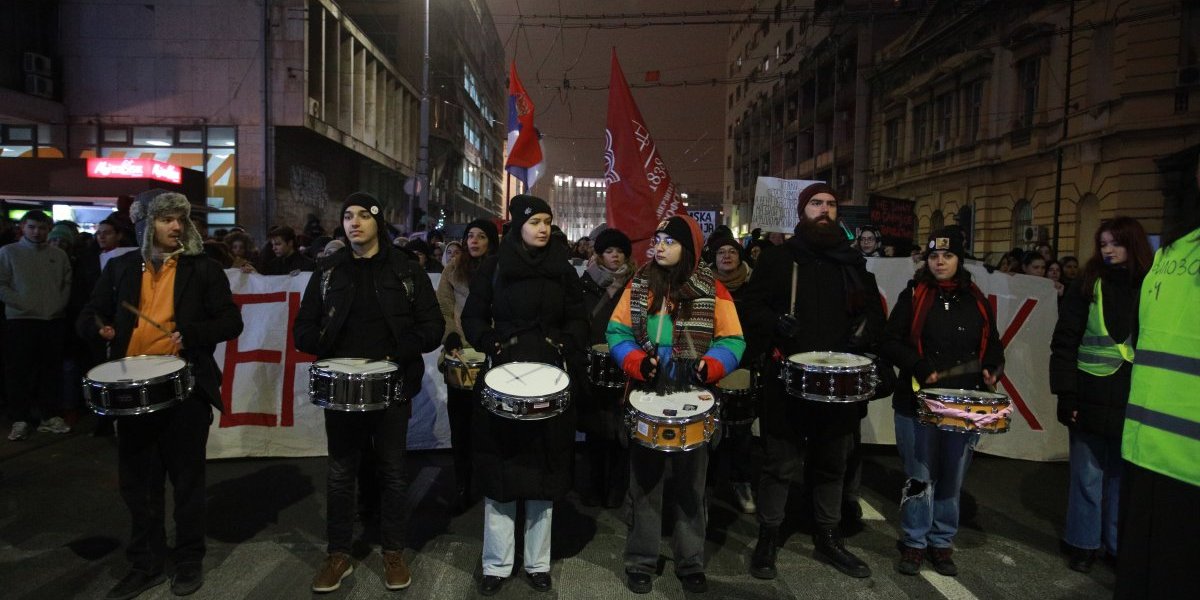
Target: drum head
<point>652,404</point>
<point>599,348</point>
<point>136,368</point>
<point>737,380</point>
<point>973,396</point>
<point>830,359</point>
<point>469,356</point>
<point>355,366</point>
<point>526,379</point>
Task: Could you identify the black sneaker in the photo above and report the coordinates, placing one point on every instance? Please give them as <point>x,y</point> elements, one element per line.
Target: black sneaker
<point>762,562</point>
<point>942,562</point>
<point>188,578</point>
<point>910,560</point>
<point>489,585</point>
<point>1082,560</point>
<point>133,584</point>
<point>829,548</point>
<point>638,583</point>
<point>695,583</point>
<point>540,581</point>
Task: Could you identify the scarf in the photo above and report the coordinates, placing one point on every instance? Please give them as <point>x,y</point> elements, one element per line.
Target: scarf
<point>924,296</point>
<point>734,280</point>
<point>691,310</point>
<point>611,281</point>
<point>518,262</point>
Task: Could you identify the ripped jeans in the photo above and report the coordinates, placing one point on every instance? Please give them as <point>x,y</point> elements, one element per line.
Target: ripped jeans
<point>935,464</point>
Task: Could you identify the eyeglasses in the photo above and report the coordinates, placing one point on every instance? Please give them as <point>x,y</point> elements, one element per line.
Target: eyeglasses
<point>664,240</point>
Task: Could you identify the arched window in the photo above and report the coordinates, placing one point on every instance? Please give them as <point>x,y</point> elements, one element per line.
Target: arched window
<point>1022,217</point>
<point>937,220</point>
<point>966,219</point>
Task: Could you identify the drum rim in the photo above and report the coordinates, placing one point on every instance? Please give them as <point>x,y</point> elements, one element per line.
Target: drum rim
<point>132,412</point>
<point>665,420</point>
<point>489,403</point>
<point>359,407</point>
<point>136,383</point>
<point>469,364</point>
<point>925,393</point>
<point>315,369</point>
<point>954,429</point>
<point>788,362</point>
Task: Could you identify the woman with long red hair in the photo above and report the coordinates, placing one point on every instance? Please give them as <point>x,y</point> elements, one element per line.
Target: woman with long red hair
<point>1091,359</point>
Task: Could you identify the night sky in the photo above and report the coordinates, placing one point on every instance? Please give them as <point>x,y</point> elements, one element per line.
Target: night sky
<point>687,122</point>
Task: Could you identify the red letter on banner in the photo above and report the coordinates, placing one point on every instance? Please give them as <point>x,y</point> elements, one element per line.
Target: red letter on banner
<point>1009,333</point>
<point>290,357</point>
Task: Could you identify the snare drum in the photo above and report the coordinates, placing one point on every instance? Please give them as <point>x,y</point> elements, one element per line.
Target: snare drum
<point>675,422</point>
<point>602,369</point>
<point>829,376</point>
<point>137,385</point>
<point>461,372</point>
<point>739,406</point>
<point>526,391</point>
<point>964,411</point>
<point>354,384</point>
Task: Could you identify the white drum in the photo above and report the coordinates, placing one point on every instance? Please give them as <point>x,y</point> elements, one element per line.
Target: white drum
<point>675,422</point>
<point>137,385</point>
<point>354,384</point>
<point>526,391</point>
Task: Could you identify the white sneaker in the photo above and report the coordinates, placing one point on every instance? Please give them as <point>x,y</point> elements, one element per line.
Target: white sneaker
<point>745,497</point>
<point>20,431</point>
<point>54,425</point>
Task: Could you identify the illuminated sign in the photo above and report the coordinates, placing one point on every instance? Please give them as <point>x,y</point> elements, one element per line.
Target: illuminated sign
<point>133,168</point>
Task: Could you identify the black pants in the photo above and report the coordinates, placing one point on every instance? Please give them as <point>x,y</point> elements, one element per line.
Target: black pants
<point>1158,530</point>
<point>608,466</point>
<point>150,448</point>
<point>385,434</point>
<point>648,477</point>
<point>458,408</point>
<point>792,427</point>
<point>736,452</point>
<point>33,368</point>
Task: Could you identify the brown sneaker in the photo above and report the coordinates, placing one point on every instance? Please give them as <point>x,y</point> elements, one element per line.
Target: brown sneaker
<point>337,566</point>
<point>396,574</point>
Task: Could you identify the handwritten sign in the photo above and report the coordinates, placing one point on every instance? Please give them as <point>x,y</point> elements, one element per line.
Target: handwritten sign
<point>895,218</point>
<point>775,203</point>
<point>707,219</point>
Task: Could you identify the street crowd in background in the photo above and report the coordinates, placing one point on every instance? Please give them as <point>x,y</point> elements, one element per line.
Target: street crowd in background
<point>734,309</point>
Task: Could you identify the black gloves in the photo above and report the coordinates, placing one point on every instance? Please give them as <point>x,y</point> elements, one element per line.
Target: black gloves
<point>701,372</point>
<point>647,368</point>
<point>787,326</point>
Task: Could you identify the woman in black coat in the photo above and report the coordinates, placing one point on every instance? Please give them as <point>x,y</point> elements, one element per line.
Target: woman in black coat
<point>600,416</point>
<point>1091,361</point>
<point>942,333</point>
<point>525,304</point>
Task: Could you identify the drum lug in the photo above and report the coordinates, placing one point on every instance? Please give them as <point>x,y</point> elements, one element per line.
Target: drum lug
<point>104,398</point>
<point>144,396</point>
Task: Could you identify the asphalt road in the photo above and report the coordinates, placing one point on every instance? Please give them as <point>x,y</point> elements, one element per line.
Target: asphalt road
<point>63,528</point>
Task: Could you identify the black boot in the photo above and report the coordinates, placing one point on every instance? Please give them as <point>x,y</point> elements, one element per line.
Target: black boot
<point>830,548</point>
<point>762,562</point>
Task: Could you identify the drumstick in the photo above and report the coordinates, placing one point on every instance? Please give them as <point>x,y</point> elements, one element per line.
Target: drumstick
<point>141,315</point>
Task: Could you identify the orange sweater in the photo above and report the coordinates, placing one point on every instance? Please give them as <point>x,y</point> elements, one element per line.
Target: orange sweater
<point>157,301</point>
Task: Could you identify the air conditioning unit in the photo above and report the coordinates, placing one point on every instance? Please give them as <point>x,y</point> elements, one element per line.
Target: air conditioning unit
<point>1033,233</point>
<point>38,85</point>
<point>314,108</point>
<point>1188,76</point>
<point>939,144</point>
<point>38,64</point>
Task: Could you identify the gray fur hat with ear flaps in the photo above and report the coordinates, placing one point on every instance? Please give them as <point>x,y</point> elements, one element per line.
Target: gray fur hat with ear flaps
<point>154,203</point>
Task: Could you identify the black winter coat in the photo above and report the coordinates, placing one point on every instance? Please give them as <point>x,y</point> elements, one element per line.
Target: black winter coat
<point>838,309</point>
<point>405,294</point>
<point>600,414</point>
<point>519,300</point>
<point>950,338</point>
<point>1100,400</point>
<point>205,314</point>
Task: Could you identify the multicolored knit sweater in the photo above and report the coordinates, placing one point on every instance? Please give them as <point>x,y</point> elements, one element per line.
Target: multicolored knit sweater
<point>718,340</point>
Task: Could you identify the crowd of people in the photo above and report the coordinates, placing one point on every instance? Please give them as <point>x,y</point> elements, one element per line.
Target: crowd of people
<point>683,324</point>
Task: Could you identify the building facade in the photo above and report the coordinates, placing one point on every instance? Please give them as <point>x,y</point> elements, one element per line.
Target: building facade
<point>970,108</point>
<point>578,203</point>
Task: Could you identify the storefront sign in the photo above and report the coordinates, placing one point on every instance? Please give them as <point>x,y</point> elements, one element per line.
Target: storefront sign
<point>133,168</point>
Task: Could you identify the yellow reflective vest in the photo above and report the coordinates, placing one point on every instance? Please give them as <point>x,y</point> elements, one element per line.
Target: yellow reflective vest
<point>1162,420</point>
<point>1099,354</point>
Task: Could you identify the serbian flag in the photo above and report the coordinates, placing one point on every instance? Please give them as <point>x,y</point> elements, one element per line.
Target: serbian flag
<point>640,191</point>
<point>524,145</point>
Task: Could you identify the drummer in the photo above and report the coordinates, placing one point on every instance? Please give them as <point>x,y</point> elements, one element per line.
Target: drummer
<point>482,240</point>
<point>674,327</point>
<point>525,304</point>
<point>941,333</point>
<point>811,293</point>
<point>608,460</point>
<point>368,301</point>
<point>172,282</point>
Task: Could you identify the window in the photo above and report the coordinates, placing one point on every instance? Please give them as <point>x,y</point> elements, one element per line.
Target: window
<point>920,129</point>
<point>974,110</point>
<point>1028,71</point>
<point>891,143</point>
<point>1022,217</point>
<point>944,123</point>
<point>470,176</point>
<point>470,87</point>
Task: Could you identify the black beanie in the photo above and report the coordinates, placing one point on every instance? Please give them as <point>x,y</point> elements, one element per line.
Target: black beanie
<point>489,229</point>
<point>523,206</point>
<point>373,206</point>
<point>612,238</point>
<point>727,240</point>
<point>683,229</point>
<point>945,239</point>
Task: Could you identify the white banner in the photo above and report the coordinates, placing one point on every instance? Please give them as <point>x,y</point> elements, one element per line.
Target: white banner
<point>707,219</point>
<point>775,203</point>
<point>265,382</point>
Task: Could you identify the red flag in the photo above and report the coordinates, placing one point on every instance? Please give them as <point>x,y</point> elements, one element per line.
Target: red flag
<point>640,190</point>
<point>524,147</point>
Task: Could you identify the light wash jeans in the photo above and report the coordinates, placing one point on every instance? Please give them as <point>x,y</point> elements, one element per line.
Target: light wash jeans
<point>1093,495</point>
<point>935,464</point>
<point>499,536</point>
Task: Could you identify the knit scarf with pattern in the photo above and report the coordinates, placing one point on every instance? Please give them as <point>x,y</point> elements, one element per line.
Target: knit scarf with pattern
<point>691,310</point>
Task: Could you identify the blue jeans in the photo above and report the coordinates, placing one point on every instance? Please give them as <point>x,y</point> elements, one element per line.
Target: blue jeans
<point>935,464</point>
<point>1093,495</point>
<point>499,536</point>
